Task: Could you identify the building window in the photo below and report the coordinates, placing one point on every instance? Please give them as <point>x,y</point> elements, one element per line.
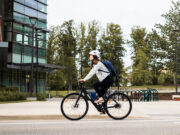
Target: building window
<point>31,12</point>
<point>18,38</point>
<point>16,48</point>
<point>42,35</point>
<point>27,40</point>
<point>42,7</point>
<point>40,60</point>
<point>18,7</point>
<point>10,77</point>
<point>20,1</point>
<point>42,53</point>
<point>27,20</point>
<point>41,25</point>
<point>31,3</point>
<point>18,28</point>
<point>15,77</point>
<point>16,58</point>
<point>27,59</point>
<point>18,17</point>
<point>42,17</point>
<point>27,50</point>
<point>28,31</point>
<point>43,1</point>
<point>42,44</point>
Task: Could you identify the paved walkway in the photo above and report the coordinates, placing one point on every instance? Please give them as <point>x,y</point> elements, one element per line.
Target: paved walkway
<point>163,126</point>
<point>139,110</point>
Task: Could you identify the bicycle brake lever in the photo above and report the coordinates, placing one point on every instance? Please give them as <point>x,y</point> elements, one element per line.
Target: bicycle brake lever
<point>80,84</point>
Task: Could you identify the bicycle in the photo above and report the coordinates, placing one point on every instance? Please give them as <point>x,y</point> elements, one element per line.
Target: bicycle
<point>75,106</point>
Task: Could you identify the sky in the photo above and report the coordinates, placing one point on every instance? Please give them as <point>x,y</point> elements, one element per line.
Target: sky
<point>126,13</point>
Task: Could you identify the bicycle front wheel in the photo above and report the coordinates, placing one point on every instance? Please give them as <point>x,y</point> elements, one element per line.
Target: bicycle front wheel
<point>118,106</point>
<point>74,106</point>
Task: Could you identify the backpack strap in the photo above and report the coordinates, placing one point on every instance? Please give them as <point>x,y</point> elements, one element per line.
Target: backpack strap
<point>103,71</point>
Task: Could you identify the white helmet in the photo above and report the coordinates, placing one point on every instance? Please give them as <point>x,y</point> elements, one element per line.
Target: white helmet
<point>96,53</point>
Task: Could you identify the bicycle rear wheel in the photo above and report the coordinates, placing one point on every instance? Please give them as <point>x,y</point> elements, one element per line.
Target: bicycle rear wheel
<point>73,109</point>
<point>118,106</point>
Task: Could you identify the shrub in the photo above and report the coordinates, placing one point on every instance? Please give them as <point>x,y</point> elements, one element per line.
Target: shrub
<point>12,96</point>
<point>3,98</point>
<point>165,78</point>
<point>41,97</point>
<point>33,94</point>
<point>13,89</point>
<point>22,96</point>
<point>2,87</point>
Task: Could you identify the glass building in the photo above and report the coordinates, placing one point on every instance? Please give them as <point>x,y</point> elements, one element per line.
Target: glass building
<point>17,31</point>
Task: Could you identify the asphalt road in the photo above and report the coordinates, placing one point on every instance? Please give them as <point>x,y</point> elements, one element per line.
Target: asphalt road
<point>156,125</point>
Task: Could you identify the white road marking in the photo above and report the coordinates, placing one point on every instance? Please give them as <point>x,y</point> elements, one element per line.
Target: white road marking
<point>87,122</point>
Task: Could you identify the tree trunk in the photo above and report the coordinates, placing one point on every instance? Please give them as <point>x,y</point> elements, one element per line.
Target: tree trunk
<point>70,83</point>
<point>70,86</point>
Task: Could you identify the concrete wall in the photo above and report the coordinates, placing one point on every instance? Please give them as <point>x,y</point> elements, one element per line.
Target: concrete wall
<point>1,29</point>
<point>1,7</point>
<point>2,11</point>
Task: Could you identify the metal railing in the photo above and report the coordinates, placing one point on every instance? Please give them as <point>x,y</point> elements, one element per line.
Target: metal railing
<point>146,95</point>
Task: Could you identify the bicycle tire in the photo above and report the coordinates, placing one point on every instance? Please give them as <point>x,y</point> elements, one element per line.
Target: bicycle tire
<point>123,96</point>
<point>70,116</point>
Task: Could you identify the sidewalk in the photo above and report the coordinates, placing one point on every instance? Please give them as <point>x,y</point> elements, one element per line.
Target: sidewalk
<point>51,109</point>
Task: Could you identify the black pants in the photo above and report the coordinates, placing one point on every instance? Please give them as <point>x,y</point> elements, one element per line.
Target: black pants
<point>102,87</point>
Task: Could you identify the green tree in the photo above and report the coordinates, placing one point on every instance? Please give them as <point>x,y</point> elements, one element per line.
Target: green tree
<point>156,42</point>
<point>67,50</point>
<point>165,78</point>
<point>81,43</point>
<point>91,43</point>
<point>141,74</point>
<point>111,47</point>
<point>51,46</point>
<point>54,80</point>
<point>172,21</point>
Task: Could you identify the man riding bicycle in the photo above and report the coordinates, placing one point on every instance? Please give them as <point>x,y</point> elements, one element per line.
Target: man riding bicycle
<point>105,79</point>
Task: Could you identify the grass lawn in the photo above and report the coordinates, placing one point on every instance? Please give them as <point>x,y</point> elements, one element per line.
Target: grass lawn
<point>159,87</point>
<point>59,93</point>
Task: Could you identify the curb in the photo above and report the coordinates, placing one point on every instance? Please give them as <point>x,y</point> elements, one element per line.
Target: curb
<point>58,117</point>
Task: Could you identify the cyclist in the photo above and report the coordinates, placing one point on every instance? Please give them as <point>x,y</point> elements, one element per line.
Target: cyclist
<point>105,80</point>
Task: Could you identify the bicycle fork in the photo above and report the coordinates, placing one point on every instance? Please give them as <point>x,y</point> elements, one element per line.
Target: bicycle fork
<point>76,104</point>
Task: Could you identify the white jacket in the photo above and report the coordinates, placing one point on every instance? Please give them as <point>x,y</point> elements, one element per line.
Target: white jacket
<point>95,70</point>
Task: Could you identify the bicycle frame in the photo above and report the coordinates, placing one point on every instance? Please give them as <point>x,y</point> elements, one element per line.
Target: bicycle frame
<point>111,101</point>
<point>99,107</point>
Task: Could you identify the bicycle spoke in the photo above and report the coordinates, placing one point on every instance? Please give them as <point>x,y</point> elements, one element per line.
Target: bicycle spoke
<point>73,109</point>
<point>118,106</point>
<point>111,107</point>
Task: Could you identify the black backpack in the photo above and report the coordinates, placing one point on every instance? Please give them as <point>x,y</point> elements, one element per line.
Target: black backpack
<point>110,68</point>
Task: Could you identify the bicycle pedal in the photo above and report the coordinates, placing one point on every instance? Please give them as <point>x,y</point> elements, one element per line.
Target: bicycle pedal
<point>103,112</point>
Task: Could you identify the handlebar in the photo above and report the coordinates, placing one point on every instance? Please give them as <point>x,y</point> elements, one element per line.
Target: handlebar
<point>80,84</point>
